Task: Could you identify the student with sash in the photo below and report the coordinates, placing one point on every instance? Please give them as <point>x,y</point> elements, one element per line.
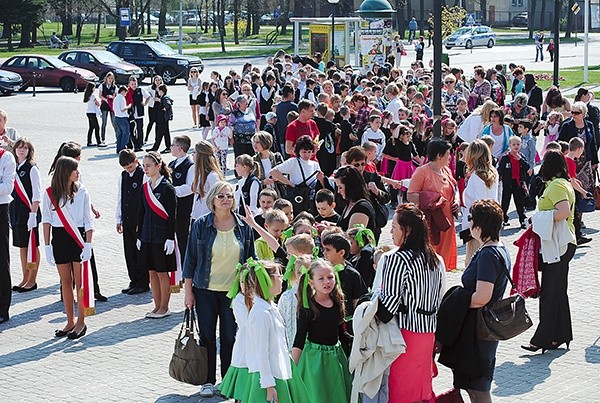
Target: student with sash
<point>183,177</point>
<point>7,175</point>
<point>25,214</point>
<point>68,222</point>
<point>156,231</point>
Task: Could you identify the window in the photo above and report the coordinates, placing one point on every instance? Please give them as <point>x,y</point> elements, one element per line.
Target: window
<point>86,58</point>
<point>128,51</point>
<point>517,3</point>
<point>42,64</point>
<point>17,62</point>
<point>70,58</point>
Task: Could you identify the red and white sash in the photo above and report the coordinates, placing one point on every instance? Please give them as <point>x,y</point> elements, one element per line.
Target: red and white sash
<point>32,252</point>
<point>157,207</point>
<point>86,292</point>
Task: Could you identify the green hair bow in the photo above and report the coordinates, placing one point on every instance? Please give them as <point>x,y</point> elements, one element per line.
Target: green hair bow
<point>288,233</point>
<point>362,232</point>
<point>305,271</point>
<point>240,275</point>
<point>264,280</point>
<point>289,269</point>
<point>316,252</point>
<point>336,270</point>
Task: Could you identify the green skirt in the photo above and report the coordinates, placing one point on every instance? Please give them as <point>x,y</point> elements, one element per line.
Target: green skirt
<point>234,383</point>
<point>324,370</point>
<point>288,390</point>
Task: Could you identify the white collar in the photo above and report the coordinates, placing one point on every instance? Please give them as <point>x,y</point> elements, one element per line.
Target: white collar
<point>261,303</point>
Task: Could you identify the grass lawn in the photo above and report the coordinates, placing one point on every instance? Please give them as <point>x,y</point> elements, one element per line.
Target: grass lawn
<point>239,53</point>
<point>572,78</point>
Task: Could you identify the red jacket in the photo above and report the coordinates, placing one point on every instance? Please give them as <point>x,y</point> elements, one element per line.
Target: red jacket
<point>525,270</point>
<point>431,204</point>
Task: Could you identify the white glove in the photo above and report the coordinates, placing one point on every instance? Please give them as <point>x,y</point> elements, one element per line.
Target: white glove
<point>169,246</point>
<point>138,244</point>
<point>31,221</point>
<point>50,255</point>
<point>86,253</point>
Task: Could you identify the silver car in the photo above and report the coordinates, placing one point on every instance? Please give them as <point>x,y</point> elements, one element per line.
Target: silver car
<point>470,36</point>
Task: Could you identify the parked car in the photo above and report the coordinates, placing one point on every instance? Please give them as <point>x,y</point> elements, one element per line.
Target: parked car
<point>478,35</point>
<point>9,82</point>
<point>156,58</point>
<point>49,71</point>
<point>101,62</point>
<point>521,20</point>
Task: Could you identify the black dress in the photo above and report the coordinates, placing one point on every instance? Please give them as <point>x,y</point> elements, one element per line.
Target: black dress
<point>489,264</point>
<point>362,206</point>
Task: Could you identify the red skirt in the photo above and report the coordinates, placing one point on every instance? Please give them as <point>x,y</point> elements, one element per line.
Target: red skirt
<point>403,170</point>
<point>411,374</point>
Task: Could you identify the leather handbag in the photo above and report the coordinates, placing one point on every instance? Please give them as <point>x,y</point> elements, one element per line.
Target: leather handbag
<point>189,363</point>
<point>503,319</point>
<point>299,195</point>
<point>597,190</point>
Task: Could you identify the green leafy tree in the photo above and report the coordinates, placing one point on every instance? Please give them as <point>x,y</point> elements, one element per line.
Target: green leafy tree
<point>26,13</point>
<point>452,18</point>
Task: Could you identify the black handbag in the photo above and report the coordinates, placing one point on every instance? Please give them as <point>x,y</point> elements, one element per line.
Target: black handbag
<point>503,319</point>
<point>299,195</point>
<point>189,363</point>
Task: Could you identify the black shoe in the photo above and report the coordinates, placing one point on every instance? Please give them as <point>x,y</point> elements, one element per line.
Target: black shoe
<point>63,333</point>
<point>100,298</point>
<point>523,225</point>
<point>166,151</point>
<point>506,223</point>
<point>138,290</point>
<point>126,290</point>
<point>583,240</point>
<point>33,287</point>
<point>3,319</point>
<point>150,149</point>
<point>16,288</point>
<point>91,144</point>
<point>74,336</point>
<point>533,348</point>
<point>138,149</point>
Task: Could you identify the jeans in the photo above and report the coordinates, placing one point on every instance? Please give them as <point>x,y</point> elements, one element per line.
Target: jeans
<point>211,305</point>
<point>122,130</point>
<point>539,52</point>
<point>104,120</point>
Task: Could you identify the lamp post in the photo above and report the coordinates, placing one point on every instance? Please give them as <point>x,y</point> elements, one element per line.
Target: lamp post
<point>333,3</point>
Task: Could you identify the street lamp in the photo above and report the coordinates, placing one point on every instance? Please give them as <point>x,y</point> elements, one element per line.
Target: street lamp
<point>333,3</point>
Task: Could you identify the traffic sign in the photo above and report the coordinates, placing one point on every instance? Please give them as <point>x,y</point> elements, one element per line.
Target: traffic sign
<point>576,9</point>
<point>470,19</point>
<point>124,17</point>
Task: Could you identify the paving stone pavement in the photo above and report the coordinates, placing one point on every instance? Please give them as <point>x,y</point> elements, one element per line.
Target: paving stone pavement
<point>124,357</point>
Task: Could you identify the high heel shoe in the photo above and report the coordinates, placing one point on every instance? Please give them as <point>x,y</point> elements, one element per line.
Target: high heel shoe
<point>533,348</point>
<point>63,333</point>
<point>556,345</point>
<point>74,336</point>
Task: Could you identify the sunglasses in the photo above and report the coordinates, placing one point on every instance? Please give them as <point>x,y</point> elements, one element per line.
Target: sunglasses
<point>359,164</point>
<point>575,112</point>
<point>449,82</point>
<point>221,196</point>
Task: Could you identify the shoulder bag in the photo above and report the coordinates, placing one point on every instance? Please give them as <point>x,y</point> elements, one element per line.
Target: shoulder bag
<point>503,319</point>
<point>597,190</point>
<point>299,195</point>
<point>189,363</point>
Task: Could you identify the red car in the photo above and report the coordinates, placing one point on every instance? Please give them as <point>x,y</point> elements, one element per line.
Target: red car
<point>49,71</point>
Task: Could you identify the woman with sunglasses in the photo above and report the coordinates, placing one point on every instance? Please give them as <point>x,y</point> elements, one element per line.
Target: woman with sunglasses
<point>499,131</point>
<point>580,127</point>
<point>450,95</point>
<point>218,241</point>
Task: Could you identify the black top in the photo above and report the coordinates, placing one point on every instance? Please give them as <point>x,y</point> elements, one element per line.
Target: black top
<point>131,188</point>
<point>505,170</point>
<point>345,142</point>
<point>353,286</point>
<point>322,329</point>
<point>334,218</point>
<point>362,206</point>
<point>185,203</point>
<point>151,227</point>
<point>363,263</point>
<point>490,264</point>
<point>461,170</point>
<point>17,210</point>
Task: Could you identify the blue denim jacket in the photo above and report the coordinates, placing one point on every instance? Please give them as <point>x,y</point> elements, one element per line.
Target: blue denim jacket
<point>198,255</point>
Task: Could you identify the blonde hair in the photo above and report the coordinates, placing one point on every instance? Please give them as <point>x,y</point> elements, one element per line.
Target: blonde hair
<point>302,260</point>
<point>485,109</point>
<point>303,243</point>
<point>214,191</point>
<point>251,285</point>
<point>479,161</point>
<point>205,162</point>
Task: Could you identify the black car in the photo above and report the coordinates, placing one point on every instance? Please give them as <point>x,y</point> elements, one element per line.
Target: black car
<point>101,62</point>
<point>520,20</point>
<point>9,82</point>
<point>156,58</point>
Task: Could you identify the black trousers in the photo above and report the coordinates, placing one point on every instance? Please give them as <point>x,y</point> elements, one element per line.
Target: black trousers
<point>518,195</point>
<point>239,149</point>
<point>136,129</point>
<point>162,130</point>
<point>5,283</point>
<point>151,121</point>
<point>182,229</point>
<point>555,314</point>
<point>138,276</point>
<point>93,127</point>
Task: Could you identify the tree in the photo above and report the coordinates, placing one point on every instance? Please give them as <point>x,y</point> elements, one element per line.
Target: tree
<point>26,13</point>
<point>452,18</point>
<point>236,15</point>
<point>531,19</point>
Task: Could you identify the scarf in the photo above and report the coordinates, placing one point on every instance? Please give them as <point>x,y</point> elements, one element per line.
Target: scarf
<point>515,168</point>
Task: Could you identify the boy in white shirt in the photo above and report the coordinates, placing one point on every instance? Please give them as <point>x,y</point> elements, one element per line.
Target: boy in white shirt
<point>121,109</point>
<point>375,135</point>
<point>220,138</point>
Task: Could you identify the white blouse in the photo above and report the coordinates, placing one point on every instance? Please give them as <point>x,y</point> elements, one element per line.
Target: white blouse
<point>240,312</point>
<point>199,208</point>
<point>80,210</point>
<point>269,356</point>
<point>288,306</point>
<point>476,190</point>
<point>292,168</point>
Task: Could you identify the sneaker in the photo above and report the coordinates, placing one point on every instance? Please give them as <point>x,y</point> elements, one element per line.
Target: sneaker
<point>102,145</point>
<point>207,390</point>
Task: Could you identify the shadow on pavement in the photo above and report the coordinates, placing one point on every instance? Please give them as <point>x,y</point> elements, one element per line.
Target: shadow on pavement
<point>174,397</point>
<point>531,373</point>
<point>106,336</point>
<point>592,353</point>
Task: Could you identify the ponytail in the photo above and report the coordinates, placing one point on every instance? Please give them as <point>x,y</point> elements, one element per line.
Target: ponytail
<point>66,149</point>
<point>165,171</point>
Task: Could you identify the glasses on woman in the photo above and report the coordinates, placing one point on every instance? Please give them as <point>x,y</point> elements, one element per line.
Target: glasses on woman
<point>222,196</point>
<point>575,112</point>
<point>359,164</point>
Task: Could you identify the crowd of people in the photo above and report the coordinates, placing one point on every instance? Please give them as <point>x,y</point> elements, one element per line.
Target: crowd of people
<point>288,259</point>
